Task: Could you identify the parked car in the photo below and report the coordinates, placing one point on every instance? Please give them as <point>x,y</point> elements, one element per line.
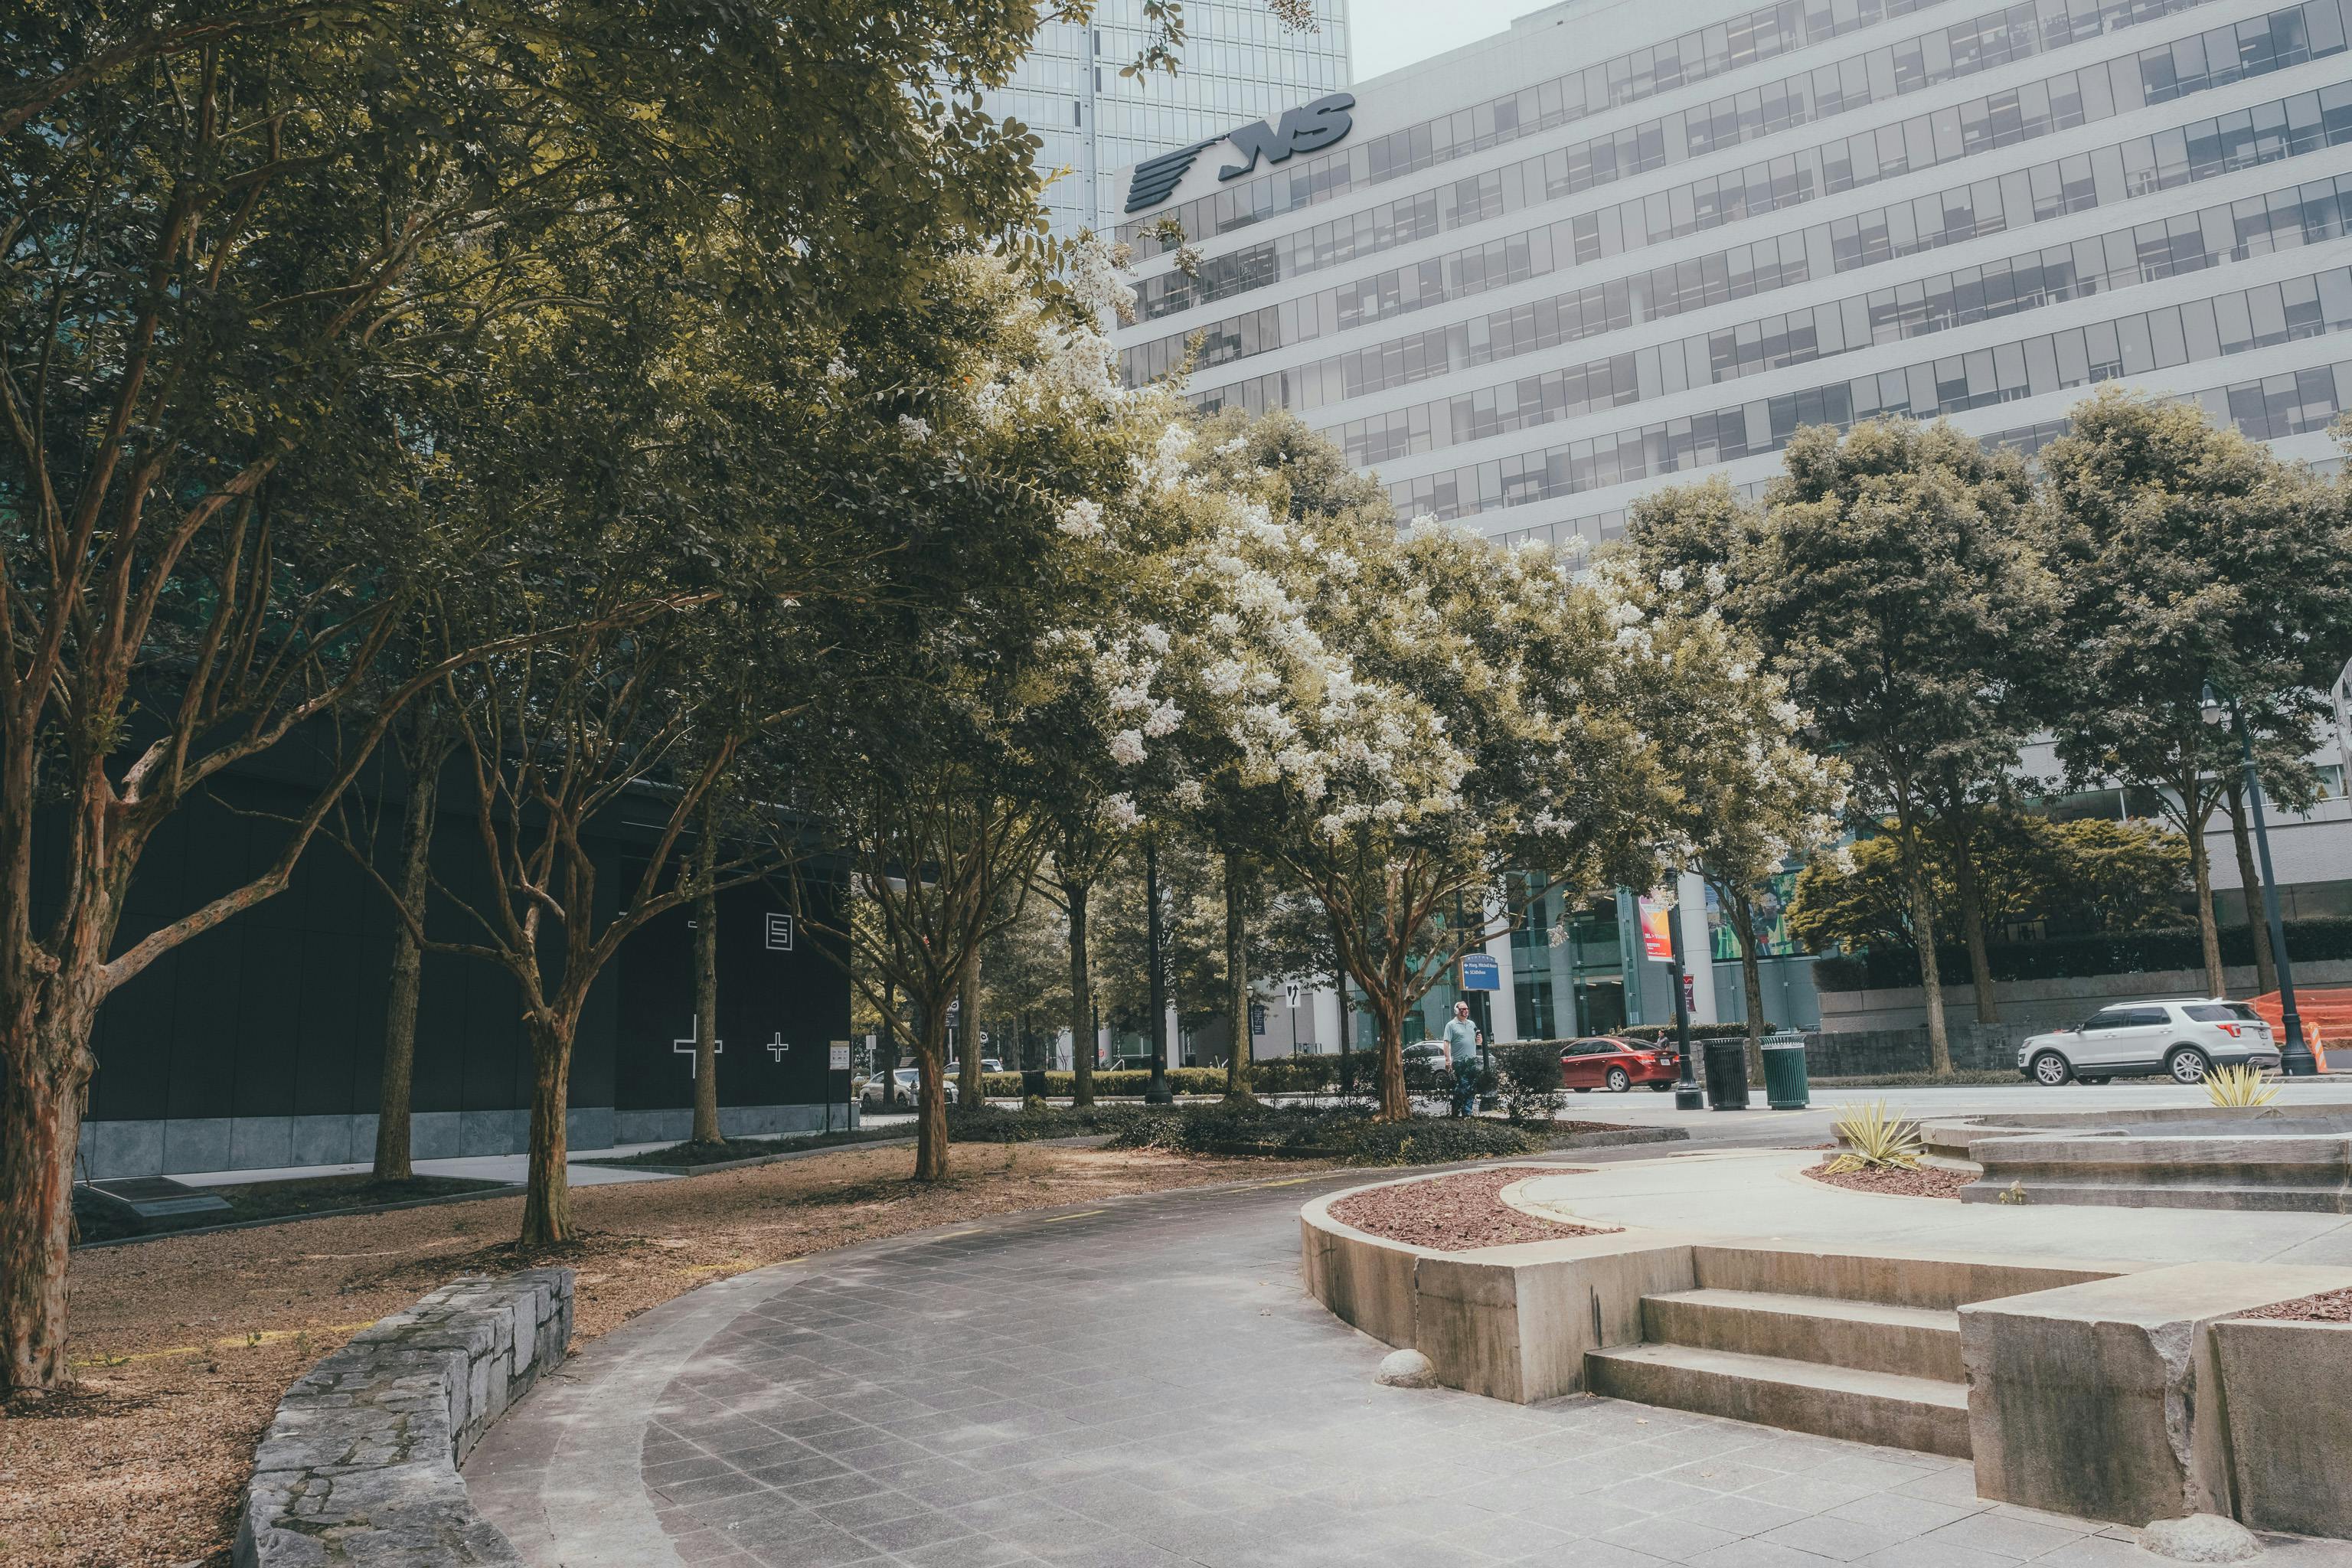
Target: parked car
<point>1615,1063</point>
<point>2182,1039</point>
<point>904,1088</point>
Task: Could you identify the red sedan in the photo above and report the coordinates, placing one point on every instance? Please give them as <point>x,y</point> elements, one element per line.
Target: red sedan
<point>1615,1063</point>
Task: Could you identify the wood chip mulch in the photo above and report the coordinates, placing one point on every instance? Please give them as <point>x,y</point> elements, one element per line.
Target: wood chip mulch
<point>2329,1307</point>
<point>1457,1213</point>
<point>1924,1182</point>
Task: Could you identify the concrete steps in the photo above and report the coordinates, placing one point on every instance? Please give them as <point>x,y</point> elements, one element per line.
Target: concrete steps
<point>1865,1336</point>
<point>1864,1346</point>
<point>1927,1415</point>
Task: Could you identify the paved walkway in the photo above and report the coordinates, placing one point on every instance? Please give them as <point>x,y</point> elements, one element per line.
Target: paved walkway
<point>1142,1385</point>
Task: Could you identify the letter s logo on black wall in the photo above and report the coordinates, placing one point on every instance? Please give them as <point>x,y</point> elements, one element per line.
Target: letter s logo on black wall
<point>1303,130</point>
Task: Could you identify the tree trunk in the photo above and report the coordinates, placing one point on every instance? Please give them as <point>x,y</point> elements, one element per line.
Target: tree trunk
<point>1923,931</point>
<point>1082,999</point>
<point>706,989</point>
<point>1237,1008</point>
<point>393,1091</point>
<point>886,1043</point>
<point>547,1201</point>
<point>1964,877</point>
<point>2265,964</point>
<point>2209,935</point>
<point>969,1088</point>
<point>42,1097</point>
<point>1751,976</point>
<point>1395,1104</point>
<point>931,1110</point>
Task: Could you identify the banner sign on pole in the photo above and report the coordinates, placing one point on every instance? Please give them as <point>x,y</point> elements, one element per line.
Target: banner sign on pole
<point>1657,934</point>
<point>1481,973</point>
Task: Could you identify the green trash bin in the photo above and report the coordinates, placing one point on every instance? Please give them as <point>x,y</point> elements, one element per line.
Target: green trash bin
<point>1785,1088</point>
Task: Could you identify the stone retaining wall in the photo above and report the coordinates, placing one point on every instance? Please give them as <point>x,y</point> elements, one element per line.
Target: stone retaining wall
<point>360,1464</point>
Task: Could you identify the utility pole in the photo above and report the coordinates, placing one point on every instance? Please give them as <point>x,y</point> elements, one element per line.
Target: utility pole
<point>2296,1059</point>
<point>1688,1096</point>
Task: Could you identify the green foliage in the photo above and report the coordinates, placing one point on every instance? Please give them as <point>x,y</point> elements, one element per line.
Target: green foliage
<point>1350,1136</point>
<point>1529,1076</point>
<point>1875,1139</point>
<point>2089,875</point>
<point>2240,1088</point>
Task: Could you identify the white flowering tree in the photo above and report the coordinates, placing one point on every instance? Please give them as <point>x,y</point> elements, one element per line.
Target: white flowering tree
<point>1751,794</point>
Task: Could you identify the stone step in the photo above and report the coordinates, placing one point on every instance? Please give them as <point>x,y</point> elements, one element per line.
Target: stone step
<point>1926,1416</point>
<point>1868,1336</point>
<point>1938,1283</point>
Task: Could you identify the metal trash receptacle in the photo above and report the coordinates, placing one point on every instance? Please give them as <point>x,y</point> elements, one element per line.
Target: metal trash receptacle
<point>1727,1073</point>
<point>1786,1087</point>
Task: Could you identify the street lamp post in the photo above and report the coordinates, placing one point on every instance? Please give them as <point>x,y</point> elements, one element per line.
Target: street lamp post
<point>2296,1059</point>
<point>1157,1091</point>
<point>1688,1096</point>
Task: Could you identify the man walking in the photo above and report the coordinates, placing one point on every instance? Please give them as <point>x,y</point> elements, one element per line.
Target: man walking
<point>1462,1043</point>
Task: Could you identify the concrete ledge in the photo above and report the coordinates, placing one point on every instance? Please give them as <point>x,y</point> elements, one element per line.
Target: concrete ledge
<point>360,1464</point>
<point>2287,1412</point>
<point>2103,1400</point>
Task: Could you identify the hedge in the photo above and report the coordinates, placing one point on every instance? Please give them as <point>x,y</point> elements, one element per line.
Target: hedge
<point>1277,1075</point>
<point>2068,957</point>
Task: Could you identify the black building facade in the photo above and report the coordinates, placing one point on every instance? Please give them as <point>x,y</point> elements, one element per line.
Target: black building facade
<point>259,1044</point>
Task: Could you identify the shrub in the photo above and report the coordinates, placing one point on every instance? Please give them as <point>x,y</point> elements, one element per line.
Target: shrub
<point>2239,1089</point>
<point>1344,1133</point>
<point>1529,1080</point>
<point>1876,1139</point>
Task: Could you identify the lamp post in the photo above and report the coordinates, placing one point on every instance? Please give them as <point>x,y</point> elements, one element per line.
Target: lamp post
<point>1688,1096</point>
<point>2296,1059</point>
<point>1157,1091</point>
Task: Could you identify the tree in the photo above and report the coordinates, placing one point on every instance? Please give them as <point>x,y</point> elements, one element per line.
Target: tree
<point>2200,571</point>
<point>1750,795</point>
<point>1892,571</point>
<point>424,736</point>
<point>250,249</point>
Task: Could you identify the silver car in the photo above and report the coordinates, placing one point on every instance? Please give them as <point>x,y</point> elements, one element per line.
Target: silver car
<point>904,1090</point>
<point>2183,1040</point>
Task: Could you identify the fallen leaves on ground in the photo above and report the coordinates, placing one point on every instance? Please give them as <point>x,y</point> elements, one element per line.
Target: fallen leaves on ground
<point>182,1345</point>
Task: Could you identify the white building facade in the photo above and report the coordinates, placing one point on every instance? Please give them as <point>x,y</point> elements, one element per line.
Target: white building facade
<point>1239,63</point>
<point>1624,244</point>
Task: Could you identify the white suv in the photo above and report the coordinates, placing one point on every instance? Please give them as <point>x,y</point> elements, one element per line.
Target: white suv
<point>2184,1039</point>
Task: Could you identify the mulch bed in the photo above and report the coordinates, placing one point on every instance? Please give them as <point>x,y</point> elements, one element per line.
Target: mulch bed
<point>2329,1307</point>
<point>1455,1214</point>
<point>1924,1182</point>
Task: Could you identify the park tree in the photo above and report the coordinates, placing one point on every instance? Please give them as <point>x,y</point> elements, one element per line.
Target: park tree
<point>249,250</point>
<point>2203,575</point>
<point>1892,570</point>
<point>1749,795</point>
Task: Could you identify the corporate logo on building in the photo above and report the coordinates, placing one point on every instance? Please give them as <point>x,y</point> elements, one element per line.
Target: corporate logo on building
<point>1303,130</point>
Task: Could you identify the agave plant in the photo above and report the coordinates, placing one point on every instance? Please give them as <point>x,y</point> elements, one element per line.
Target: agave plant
<point>1875,1139</point>
<point>2240,1088</point>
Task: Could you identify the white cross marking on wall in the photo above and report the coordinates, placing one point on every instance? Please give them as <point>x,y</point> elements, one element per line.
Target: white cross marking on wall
<point>776,1047</point>
<point>685,1047</point>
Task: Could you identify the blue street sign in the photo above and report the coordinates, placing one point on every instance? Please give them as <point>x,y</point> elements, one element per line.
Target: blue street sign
<point>1481,973</point>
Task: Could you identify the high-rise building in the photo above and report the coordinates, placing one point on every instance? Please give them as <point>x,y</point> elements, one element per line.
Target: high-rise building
<point>1624,244</point>
<point>1240,63</point>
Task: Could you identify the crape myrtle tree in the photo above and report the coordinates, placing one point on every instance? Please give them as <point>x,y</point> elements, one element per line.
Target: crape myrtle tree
<point>249,249</point>
<point>2200,571</point>
<point>1892,571</point>
<point>942,769</point>
<point>1749,795</point>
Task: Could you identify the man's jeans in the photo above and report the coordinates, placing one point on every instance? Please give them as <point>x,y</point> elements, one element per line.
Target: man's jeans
<point>1466,1085</point>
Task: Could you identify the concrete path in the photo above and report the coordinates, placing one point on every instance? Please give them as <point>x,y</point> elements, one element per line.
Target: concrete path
<point>1141,1383</point>
<point>1765,1195</point>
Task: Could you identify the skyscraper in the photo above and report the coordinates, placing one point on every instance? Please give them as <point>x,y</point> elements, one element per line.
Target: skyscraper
<point>1240,64</point>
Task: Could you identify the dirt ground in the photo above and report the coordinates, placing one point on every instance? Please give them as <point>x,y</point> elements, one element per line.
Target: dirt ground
<point>184,1345</point>
<point>1455,1214</point>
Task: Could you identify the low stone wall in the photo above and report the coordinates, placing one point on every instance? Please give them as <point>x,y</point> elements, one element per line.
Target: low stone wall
<point>360,1464</point>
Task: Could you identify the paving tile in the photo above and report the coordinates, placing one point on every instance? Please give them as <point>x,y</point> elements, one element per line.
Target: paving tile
<point>1901,1513</point>
<point>1840,1539</point>
<point>2005,1536</point>
<point>1674,1538</point>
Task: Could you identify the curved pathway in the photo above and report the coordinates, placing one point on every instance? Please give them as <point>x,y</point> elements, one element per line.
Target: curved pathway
<point>1141,1383</point>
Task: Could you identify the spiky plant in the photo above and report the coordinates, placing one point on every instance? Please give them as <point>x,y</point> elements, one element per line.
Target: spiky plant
<point>1875,1139</point>
<point>2240,1088</point>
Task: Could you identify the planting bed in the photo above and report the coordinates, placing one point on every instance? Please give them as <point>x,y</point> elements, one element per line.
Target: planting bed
<point>1922,1182</point>
<point>1455,1214</point>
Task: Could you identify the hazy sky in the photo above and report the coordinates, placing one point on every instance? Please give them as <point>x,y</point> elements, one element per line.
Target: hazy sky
<point>1393,33</point>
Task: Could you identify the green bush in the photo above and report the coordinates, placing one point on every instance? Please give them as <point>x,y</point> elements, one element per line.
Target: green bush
<point>1280,1074</point>
<point>1341,1133</point>
<point>1529,1079</point>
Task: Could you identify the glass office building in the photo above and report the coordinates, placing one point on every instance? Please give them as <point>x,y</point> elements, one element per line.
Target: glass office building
<point>1239,64</point>
<point>1622,245</point>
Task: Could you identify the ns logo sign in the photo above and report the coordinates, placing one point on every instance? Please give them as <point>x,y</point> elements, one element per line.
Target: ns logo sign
<point>1303,130</point>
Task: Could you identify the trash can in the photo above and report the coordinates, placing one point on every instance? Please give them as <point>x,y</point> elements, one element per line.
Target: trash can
<point>1033,1083</point>
<point>1785,1087</point>
<point>1727,1073</point>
